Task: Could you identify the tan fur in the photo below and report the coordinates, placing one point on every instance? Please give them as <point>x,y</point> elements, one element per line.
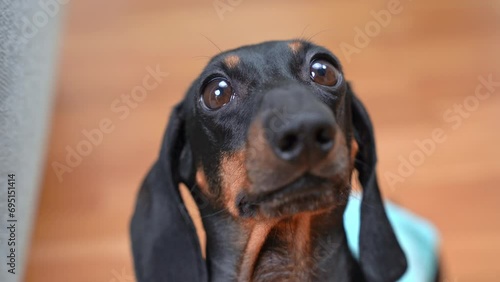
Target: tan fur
<point>295,232</point>
<point>231,61</point>
<point>301,243</point>
<point>294,235</point>
<point>354,150</point>
<point>201,181</point>
<point>234,178</point>
<point>258,236</point>
<point>295,46</point>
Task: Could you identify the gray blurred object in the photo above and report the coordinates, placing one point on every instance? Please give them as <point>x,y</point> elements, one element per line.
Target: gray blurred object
<point>28,50</point>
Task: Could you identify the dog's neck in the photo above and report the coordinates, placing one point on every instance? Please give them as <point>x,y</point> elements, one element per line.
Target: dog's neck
<point>304,247</point>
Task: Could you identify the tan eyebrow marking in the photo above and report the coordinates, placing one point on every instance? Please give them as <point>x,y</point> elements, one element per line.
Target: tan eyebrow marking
<point>295,46</point>
<point>231,61</point>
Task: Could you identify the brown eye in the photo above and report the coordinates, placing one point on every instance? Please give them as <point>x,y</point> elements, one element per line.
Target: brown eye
<point>322,72</point>
<point>217,93</point>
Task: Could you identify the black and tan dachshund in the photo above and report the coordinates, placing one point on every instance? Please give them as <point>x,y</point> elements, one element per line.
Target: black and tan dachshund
<point>267,139</point>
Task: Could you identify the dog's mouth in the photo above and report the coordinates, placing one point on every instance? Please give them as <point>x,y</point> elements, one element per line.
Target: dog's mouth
<point>307,193</point>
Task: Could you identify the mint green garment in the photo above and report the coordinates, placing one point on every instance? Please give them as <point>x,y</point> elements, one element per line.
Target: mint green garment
<point>418,238</point>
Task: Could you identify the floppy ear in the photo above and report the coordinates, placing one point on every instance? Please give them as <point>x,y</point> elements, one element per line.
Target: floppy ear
<point>381,257</point>
<point>164,241</point>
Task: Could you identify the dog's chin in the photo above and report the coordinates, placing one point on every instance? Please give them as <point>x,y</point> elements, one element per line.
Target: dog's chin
<point>306,194</point>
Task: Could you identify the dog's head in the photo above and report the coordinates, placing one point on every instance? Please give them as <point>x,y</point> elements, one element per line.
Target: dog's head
<point>272,130</point>
<point>268,132</point>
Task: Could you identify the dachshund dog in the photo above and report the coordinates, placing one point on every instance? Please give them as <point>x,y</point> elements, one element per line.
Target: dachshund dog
<point>267,139</point>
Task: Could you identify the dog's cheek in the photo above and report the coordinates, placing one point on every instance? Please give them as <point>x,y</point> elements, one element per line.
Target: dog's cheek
<point>234,179</point>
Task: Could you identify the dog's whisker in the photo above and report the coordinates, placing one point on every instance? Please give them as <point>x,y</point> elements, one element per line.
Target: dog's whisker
<point>215,213</point>
<point>317,33</point>
<point>201,57</point>
<point>303,31</point>
<point>213,43</point>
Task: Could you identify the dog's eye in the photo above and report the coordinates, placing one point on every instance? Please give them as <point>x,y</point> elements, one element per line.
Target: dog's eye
<point>217,93</point>
<point>322,72</point>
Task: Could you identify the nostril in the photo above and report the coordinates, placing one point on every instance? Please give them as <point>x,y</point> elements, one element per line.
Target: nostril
<point>288,142</point>
<point>324,138</point>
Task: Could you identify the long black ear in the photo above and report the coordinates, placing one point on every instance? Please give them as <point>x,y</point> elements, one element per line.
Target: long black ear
<point>381,257</point>
<point>164,241</point>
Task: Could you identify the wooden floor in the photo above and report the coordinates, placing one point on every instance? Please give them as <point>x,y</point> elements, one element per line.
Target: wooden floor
<point>412,71</point>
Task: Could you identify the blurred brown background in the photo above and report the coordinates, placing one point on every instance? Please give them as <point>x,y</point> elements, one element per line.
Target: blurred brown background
<point>426,59</point>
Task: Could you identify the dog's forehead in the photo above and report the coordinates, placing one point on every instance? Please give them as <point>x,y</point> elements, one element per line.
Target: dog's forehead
<point>270,53</point>
<point>266,49</point>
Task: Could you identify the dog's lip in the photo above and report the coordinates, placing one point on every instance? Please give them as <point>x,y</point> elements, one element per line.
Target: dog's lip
<point>306,185</point>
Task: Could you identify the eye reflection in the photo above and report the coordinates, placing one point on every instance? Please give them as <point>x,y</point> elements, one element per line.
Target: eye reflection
<point>322,72</point>
<point>217,93</point>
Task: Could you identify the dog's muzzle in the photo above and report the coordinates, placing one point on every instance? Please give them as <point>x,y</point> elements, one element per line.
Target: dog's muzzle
<point>296,158</point>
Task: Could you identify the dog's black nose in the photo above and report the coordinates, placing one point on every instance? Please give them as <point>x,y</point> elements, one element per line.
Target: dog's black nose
<point>299,127</point>
<point>307,136</point>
